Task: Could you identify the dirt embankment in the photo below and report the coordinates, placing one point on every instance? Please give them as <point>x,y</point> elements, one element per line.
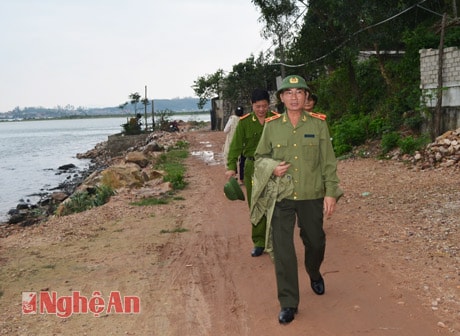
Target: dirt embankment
<point>391,268</point>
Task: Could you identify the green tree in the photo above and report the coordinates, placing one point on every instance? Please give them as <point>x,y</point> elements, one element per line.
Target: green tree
<point>207,87</point>
<point>135,98</point>
<point>280,18</point>
<point>246,76</point>
<point>239,83</point>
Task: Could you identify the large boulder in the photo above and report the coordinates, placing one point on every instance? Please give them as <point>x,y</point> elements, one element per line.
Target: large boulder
<point>137,158</point>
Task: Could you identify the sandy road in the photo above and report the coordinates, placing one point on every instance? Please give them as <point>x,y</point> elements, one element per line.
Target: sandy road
<point>203,281</point>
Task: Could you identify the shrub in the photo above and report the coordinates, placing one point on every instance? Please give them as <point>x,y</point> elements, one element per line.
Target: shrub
<point>342,149</point>
<point>411,144</point>
<point>79,202</point>
<point>84,200</point>
<point>103,194</point>
<point>350,131</point>
<point>163,118</point>
<point>133,125</point>
<point>389,141</point>
<point>414,122</point>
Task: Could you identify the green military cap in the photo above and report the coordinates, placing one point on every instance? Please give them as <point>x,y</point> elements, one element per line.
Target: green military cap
<point>293,82</point>
<point>232,190</point>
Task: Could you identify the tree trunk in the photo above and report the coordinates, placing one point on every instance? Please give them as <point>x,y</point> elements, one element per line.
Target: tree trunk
<point>382,66</point>
<point>352,78</point>
<point>282,57</point>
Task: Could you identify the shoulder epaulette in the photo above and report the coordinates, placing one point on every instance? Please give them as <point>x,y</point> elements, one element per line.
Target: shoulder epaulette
<point>274,112</point>
<point>276,116</point>
<point>318,115</point>
<point>245,116</point>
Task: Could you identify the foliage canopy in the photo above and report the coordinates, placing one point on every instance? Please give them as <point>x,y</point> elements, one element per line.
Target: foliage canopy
<point>360,57</point>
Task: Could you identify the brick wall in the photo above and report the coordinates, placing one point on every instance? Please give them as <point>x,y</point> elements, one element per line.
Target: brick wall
<point>450,85</point>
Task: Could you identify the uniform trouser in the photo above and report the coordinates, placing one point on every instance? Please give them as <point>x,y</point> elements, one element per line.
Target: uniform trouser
<point>258,231</point>
<point>310,220</point>
<point>241,163</point>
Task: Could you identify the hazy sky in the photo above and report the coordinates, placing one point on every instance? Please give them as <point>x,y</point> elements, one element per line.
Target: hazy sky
<point>94,53</point>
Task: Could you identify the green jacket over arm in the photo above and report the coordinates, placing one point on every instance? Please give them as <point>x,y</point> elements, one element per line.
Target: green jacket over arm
<point>308,148</point>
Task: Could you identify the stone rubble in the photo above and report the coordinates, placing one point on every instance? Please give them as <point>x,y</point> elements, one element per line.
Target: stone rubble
<point>444,152</point>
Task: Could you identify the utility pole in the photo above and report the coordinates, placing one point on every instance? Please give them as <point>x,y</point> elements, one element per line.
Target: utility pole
<point>145,107</point>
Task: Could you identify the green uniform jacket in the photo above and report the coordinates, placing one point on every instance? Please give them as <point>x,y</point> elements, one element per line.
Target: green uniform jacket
<point>245,140</point>
<point>267,190</point>
<point>308,148</point>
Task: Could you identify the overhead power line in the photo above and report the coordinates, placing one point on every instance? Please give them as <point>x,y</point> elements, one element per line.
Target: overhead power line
<point>354,34</point>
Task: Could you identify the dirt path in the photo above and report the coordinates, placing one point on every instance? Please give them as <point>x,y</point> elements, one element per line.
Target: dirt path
<point>391,267</point>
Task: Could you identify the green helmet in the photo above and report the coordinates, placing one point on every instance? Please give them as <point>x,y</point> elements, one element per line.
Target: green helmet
<point>233,191</point>
<point>293,82</point>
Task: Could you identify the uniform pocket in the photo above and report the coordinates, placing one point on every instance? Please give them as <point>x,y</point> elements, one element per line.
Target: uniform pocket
<point>279,149</point>
<point>310,146</point>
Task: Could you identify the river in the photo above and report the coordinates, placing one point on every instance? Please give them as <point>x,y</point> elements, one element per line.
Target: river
<point>32,151</point>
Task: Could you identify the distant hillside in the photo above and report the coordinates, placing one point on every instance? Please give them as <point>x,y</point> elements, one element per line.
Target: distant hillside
<point>179,105</point>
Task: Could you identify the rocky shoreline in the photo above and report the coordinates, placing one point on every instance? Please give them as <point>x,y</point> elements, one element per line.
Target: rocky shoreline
<point>28,212</point>
<point>101,157</point>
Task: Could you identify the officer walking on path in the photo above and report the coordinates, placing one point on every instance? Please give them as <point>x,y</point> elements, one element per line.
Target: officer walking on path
<point>297,144</point>
<point>244,142</point>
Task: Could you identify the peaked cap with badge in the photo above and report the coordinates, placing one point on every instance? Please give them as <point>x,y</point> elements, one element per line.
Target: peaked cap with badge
<point>233,190</point>
<point>293,82</point>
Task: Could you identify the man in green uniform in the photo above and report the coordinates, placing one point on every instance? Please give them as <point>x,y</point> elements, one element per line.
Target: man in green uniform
<point>299,143</point>
<point>244,142</point>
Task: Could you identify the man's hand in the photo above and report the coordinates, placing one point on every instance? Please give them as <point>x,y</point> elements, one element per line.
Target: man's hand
<point>281,169</point>
<point>230,173</point>
<point>329,206</point>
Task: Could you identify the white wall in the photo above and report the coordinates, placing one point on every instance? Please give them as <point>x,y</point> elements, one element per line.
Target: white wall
<point>450,86</point>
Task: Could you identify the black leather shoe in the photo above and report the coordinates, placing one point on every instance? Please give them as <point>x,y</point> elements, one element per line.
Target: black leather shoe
<point>318,286</point>
<point>257,251</point>
<point>287,315</point>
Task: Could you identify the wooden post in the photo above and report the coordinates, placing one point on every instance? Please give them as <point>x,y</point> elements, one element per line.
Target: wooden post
<point>437,124</point>
<point>145,107</point>
<point>153,118</point>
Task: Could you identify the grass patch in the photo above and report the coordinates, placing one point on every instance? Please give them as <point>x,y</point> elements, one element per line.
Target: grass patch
<point>171,162</point>
<point>176,230</point>
<point>150,201</point>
